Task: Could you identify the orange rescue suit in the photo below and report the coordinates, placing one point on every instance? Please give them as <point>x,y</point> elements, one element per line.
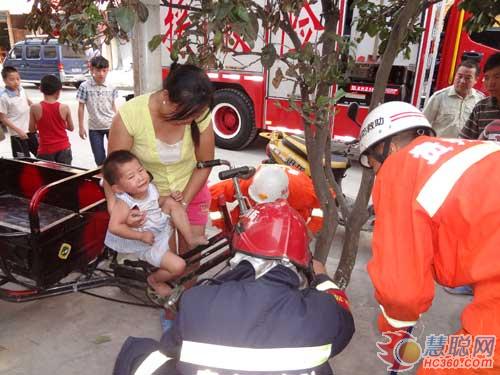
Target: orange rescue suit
<point>301,196</point>
<point>437,204</point>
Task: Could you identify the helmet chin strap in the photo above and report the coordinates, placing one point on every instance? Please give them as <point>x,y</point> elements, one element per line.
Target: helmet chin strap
<point>385,152</point>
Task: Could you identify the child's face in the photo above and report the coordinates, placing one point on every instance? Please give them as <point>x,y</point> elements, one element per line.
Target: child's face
<point>134,179</point>
<point>99,74</point>
<point>13,81</point>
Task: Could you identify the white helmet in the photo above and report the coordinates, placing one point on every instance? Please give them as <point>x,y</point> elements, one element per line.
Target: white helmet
<point>269,183</point>
<point>386,120</point>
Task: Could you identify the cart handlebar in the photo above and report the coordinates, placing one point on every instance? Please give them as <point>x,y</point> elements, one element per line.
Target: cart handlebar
<point>236,172</point>
<point>212,163</point>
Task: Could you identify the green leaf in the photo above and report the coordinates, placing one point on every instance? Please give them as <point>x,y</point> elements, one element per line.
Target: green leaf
<point>142,12</point>
<point>306,53</point>
<point>222,10</point>
<point>242,13</point>
<point>268,56</point>
<point>291,72</point>
<point>321,101</point>
<point>155,42</point>
<point>218,39</point>
<point>125,17</point>
<point>174,53</point>
<point>339,94</point>
<point>101,339</point>
<point>372,29</point>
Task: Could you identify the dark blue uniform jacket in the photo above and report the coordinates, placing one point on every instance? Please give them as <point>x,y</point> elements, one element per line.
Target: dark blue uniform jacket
<point>236,310</point>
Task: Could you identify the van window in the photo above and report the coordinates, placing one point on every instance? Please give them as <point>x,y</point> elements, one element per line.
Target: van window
<point>16,53</point>
<point>49,52</point>
<point>32,52</point>
<point>69,53</point>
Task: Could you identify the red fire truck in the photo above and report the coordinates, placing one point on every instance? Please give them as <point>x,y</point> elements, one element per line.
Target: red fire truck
<point>245,99</point>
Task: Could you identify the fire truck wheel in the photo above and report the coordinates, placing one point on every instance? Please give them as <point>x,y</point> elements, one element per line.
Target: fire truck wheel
<point>233,119</point>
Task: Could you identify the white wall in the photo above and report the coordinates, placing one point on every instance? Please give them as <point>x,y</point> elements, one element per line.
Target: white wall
<point>16,7</point>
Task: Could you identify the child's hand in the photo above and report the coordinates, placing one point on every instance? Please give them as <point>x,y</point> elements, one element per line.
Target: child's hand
<point>22,134</point>
<point>83,133</point>
<point>135,218</point>
<point>148,237</point>
<point>176,196</point>
<point>318,267</point>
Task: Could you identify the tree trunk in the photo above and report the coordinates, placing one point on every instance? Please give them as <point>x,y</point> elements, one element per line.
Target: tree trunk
<point>318,143</point>
<point>359,214</point>
<point>147,64</point>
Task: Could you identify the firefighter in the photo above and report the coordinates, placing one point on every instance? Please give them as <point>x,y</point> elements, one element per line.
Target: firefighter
<point>269,183</point>
<point>438,213</point>
<point>261,317</point>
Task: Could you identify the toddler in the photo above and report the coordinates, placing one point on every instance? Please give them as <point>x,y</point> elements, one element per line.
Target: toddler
<point>131,184</point>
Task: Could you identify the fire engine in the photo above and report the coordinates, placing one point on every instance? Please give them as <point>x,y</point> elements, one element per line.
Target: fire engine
<point>246,101</point>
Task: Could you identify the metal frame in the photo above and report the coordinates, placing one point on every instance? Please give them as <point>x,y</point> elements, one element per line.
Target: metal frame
<point>130,274</point>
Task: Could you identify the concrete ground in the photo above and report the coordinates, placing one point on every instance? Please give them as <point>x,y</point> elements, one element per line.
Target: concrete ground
<point>78,334</point>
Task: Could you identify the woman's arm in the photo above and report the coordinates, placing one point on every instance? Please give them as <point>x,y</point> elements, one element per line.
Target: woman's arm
<point>119,139</point>
<point>204,151</point>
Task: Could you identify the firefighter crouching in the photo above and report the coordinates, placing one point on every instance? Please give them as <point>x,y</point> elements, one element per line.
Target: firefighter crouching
<point>269,183</point>
<point>437,205</point>
<point>261,317</point>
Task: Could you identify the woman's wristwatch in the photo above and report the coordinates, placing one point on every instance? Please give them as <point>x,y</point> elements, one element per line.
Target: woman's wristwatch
<point>184,204</point>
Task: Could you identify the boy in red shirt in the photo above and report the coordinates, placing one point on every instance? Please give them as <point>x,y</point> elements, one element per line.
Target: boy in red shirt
<point>51,119</point>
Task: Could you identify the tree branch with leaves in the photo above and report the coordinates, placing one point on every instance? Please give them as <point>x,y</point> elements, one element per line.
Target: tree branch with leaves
<point>313,67</point>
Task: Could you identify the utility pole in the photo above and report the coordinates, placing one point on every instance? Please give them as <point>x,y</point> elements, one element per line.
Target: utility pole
<point>147,64</point>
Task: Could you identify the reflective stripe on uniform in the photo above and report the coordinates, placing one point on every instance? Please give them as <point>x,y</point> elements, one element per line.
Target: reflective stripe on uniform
<point>439,185</point>
<point>152,363</point>
<point>250,359</point>
<point>325,285</point>
<point>318,212</point>
<point>397,323</point>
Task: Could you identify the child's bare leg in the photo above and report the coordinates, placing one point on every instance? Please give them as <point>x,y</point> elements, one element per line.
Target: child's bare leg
<point>181,222</point>
<point>171,266</point>
<point>200,230</point>
<point>157,280</point>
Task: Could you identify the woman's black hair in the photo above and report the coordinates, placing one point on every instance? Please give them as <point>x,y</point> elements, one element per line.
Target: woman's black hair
<point>189,87</point>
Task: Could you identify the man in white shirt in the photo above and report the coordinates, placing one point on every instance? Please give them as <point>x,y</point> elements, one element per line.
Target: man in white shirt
<point>448,109</point>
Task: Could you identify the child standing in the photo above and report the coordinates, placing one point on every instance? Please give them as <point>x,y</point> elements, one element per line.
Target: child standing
<point>51,119</point>
<point>99,97</point>
<point>15,112</point>
<point>131,184</point>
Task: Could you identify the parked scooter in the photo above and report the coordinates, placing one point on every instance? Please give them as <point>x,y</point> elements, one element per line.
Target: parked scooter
<point>290,149</point>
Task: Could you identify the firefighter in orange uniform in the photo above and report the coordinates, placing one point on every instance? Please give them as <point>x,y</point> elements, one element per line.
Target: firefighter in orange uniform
<point>269,183</point>
<point>437,205</point>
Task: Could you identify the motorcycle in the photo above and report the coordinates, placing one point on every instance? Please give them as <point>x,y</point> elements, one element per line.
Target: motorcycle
<point>290,149</point>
